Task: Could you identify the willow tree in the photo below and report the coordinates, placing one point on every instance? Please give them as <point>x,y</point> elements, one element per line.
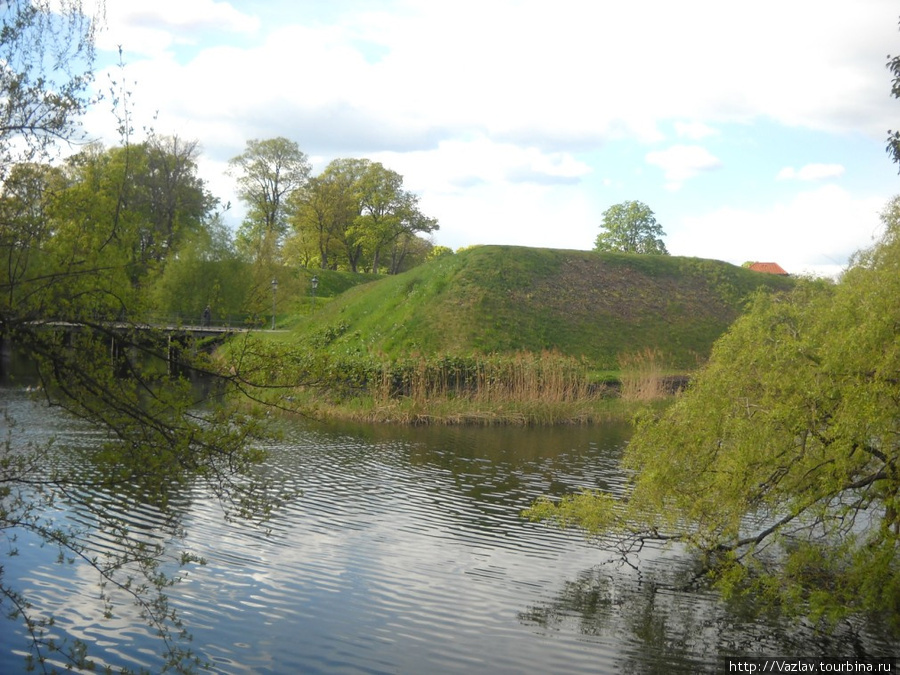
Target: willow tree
<point>47,50</point>
<point>781,463</point>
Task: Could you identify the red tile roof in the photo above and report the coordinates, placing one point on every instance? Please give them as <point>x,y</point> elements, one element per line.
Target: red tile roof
<point>768,267</point>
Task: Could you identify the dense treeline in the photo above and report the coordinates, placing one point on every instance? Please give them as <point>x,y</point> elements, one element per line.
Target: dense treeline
<point>355,215</point>
<point>170,241</point>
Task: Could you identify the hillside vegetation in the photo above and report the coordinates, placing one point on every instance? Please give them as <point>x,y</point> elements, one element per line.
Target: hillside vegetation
<point>506,299</point>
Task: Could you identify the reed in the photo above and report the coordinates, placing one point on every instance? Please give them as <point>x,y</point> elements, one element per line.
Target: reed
<point>642,376</point>
<point>473,413</point>
<point>520,389</point>
<point>548,377</point>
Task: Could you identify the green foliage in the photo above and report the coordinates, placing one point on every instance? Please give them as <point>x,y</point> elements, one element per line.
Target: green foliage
<point>593,511</point>
<point>120,215</point>
<point>893,138</point>
<point>47,48</point>
<point>144,199</point>
<point>332,283</point>
<point>327,335</point>
<point>519,388</point>
<point>356,214</point>
<point>206,273</point>
<point>781,464</point>
<point>438,252</point>
<point>631,227</point>
<point>268,172</point>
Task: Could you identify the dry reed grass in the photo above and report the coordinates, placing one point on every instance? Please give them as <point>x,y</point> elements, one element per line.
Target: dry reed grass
<point>642,376</point>
<point>517,389</point>
<point>544,378</point>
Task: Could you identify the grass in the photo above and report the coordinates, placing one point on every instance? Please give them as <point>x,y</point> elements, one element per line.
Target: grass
<point>510,334</point>
<point>505,299</point>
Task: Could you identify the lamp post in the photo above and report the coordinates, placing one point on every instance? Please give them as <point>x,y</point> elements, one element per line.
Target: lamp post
<point>274,291</point>
<point>314,282</point>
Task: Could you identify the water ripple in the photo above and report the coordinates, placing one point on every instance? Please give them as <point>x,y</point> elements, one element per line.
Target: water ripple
<point>403,552</point>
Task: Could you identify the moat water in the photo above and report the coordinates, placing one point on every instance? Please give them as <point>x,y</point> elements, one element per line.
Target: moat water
<point>404,551</point>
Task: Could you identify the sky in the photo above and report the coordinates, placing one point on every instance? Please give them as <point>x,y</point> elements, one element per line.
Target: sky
<point>754,131</point>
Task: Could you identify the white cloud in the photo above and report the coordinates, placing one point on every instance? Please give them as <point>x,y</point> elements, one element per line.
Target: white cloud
<point>682,162</point>
<point>514,214</point>
<point>144,28</point>
<point>815,232</point>
<point>460,163</point>
<point>694,131</point>
<point>498,193</point>
<point>812,172</point>
<point>526,71</point>
<point>494,111</point>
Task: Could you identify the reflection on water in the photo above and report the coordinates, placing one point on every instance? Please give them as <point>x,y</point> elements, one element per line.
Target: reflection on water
<point>405,553</point>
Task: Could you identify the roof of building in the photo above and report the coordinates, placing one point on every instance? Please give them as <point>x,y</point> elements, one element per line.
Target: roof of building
<point>768,267</point>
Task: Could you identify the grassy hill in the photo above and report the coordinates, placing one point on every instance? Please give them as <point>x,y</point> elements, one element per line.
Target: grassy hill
<point>500,299</point>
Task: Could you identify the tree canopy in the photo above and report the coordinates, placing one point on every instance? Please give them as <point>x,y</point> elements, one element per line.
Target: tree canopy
<point>357,213</point>
<point>781,463</point>
<point>630,227</point>
<point>267,173</point>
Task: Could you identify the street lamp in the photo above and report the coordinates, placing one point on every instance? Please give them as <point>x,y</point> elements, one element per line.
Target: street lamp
<point>315,284</point>
<point>274,291</point>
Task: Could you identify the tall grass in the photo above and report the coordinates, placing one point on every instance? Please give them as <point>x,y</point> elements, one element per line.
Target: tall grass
<point>522,388</point>
<point>528,388</point>
<point>642,376</point>
<point>548,377</point>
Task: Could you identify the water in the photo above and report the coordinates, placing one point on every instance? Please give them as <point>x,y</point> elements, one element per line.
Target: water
<point>404,552</point>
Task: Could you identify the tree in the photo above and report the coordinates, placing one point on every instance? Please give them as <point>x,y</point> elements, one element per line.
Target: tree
<point>344,177</point>
<point>176,199</point>
<point>893,139</point>
<point>72,262</point>
<point>151,191</point>
<point>207,272</point>
<point>267,173</point>
<point>325,211</point>
<point>387,212</point>
<point>408,251</point>
<point>631,227</point>
<point>46,48</point>
<point>781,463</point>
<point>26,200</point>
<point>359,210</point>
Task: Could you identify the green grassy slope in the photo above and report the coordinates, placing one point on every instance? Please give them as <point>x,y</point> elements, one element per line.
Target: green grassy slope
<point>492,299</point>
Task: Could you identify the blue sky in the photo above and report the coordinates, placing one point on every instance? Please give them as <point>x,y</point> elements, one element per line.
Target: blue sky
<point>755,131</point>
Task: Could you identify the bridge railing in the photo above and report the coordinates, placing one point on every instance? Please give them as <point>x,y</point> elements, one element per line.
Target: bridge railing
<point>161,321</point>
<point>213,321</point>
